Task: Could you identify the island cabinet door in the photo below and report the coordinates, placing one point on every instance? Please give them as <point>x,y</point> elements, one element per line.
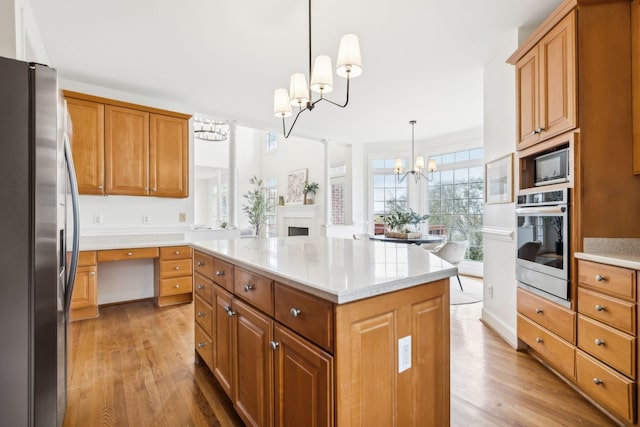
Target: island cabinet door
<point>392,364</point>
<point>223,338</point>
<point>303,382</point>
<point>253,370</point>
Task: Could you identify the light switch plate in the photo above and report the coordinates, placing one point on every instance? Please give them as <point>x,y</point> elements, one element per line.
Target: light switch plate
<point>404,353</point>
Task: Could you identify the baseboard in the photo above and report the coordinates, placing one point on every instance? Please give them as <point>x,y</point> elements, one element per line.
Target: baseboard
<point>499,327</point>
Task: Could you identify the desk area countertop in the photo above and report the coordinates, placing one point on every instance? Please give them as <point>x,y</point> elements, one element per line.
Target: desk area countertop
<point>621,252</point>
<point>107,241</point>
<point>338,270</point>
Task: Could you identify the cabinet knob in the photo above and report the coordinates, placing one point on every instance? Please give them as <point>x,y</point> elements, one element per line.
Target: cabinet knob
<point>129,253</point>
<point>176,286</point>
<point>177,252</point>
<point>154,189</point>
<point>294,312</point>
<point>598,341</point>
<point>597,381</point>
<point>200,263</point>
<point>201,314</point>
<point>230,312</point>
<point>538,310</point>
<point>146,188</point>
<point>539,340</point>
<point>248,287</point>
<point>200,286</point>
<point>599,278</point>
<point>201,344</point>
<point>219,273</point>
<point>93,273</point>
<point>177,268</point>
<point>599,307</point>
<point>274,345</point>
<point>100,187</point>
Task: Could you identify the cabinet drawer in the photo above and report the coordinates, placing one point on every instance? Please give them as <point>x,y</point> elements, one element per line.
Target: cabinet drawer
<point>606,386</point>
<point>612,280</point>
<point>613,347</point>
<point>556,351</point>
<point>175,286</point>
<point>125,254</point>
<point>223,274</point>
<point>87,258</point>
<point>203,287</point>
<point>175,252</point>
<point>308,315</point>
<point>611,311</point>
<point>204,315</point>
<point>203,264</point>
<point>203,345</point>
<point>255,289</point>
<point>175,268</point>
<point>551,316</point>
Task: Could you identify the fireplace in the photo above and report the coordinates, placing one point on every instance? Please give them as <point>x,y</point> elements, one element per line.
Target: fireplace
<point>298,231</point>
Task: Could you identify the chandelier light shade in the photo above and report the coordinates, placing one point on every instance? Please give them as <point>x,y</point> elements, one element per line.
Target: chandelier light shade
<point>418,163</point>
<point>320,78</point>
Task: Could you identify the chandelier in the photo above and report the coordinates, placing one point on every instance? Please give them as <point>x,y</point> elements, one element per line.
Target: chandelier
<point>418,164</point>
<point>210,130</point>
<point>349,65</point>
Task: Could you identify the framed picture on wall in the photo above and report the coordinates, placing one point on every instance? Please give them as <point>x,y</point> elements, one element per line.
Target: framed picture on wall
<point>295,182</point>
<point>498,180</point>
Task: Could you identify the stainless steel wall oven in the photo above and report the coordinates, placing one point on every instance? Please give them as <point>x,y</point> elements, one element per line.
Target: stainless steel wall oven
<point>542,234</point>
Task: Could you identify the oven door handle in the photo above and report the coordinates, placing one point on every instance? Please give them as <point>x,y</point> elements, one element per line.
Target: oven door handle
<point>542,210</point>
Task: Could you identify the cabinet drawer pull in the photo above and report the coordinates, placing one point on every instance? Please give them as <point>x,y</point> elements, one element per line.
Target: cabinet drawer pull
<point>177,267</point>
<point>598,341</point>
<point>201,314</point>
<point>248,287</point>
<point>599,307</point>
<point>200,263</point>
<point>230,312</point>
<point>599,278</point>
<point>539,340</point>
<point>294,312</point>
<point>201,344</point>
<point>538,310</point>
<point>597,381</point>
<point>177,286</point>
<point>200,286</point>
<point>219,273</point>
<point>129,253</point>
<point>274,345</point>
<point>177,252</point>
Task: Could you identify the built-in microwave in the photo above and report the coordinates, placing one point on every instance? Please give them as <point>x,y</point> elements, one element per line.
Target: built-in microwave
<point>552,168</point>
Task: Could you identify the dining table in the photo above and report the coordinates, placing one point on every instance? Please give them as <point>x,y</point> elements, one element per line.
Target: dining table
<point>425,238</point>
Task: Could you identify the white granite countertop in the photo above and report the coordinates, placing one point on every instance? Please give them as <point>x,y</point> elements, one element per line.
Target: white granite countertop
<point>338,270</point>
<point>621,252</point>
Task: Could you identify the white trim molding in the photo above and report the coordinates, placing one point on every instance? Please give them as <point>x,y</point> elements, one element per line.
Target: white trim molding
<point>498,233</point>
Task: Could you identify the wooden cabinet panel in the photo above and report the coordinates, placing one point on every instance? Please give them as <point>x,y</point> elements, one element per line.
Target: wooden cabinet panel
<point>609,345</point>
<point>256,289</point>
<point>84,289</point>
<point>126,151</point>
<point>176,286</point>
<point>175,267</point>
<point>203,287</point>
<point>553,317</point>
<point>253,370</point>
<point>203,345</point>
<point>606,386</point>
<point>176,252</point>
<point>303,382</point>
<point>203,315</point>
<point>223,274</point>
<point>556,351</point>
<point>635,82</point>
<point>87,144</point>
<point>617,281</point>
<point>527,104</point>
<point>223,331</point>
<point>87,258</point>
<point>306,314</point>
<point>168,156</point>
<point>612,311</point>
<point>124,254</point>
<point>203,264</point>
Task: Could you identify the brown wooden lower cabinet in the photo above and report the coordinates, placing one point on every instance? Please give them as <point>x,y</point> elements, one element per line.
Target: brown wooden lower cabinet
<point>280,374</point>
<point>84,299</point>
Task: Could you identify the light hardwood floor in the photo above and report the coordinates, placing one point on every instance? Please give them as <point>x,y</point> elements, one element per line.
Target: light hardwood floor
<point>134,366</point>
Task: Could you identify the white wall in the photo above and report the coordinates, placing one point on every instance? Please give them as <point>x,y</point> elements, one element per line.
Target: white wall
<point>250,145</point>
<point>499,307</point>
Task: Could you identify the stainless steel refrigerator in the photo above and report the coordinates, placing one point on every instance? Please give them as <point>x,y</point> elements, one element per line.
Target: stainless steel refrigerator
<point>38,194</point>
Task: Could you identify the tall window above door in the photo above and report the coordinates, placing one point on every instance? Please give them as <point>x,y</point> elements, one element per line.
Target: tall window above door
<point>386,191</point>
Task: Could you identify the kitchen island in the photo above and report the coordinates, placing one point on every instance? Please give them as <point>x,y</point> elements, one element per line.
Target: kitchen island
<point>326,332</point>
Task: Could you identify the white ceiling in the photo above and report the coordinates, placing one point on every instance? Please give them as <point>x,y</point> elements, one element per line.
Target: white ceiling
<point>422,59</point>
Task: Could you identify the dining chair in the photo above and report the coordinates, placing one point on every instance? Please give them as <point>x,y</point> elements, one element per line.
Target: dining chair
<point>453,253</point>
<point>361,236</point>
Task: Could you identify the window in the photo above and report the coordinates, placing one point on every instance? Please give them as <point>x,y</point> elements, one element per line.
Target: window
<point>272,201</point>
<point>456,198</point>
<point>337,204</point>
<point>271,141</point>
<point>386,191</point>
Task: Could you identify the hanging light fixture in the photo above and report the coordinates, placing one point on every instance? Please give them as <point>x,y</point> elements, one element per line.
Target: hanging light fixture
<point>349,65</point>
<point>209,130</point>
<point>418,164</point>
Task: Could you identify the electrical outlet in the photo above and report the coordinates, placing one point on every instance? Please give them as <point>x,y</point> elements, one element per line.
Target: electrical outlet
<point>182,217</point>
<point>490,288</point>
<point>404,353</point>
<point>146,219</point>
<point>97,219</point>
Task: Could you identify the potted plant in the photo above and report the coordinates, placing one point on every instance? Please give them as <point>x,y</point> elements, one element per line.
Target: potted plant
<point>309,188</point>
<point>256,206</point>
<point>402,220</point>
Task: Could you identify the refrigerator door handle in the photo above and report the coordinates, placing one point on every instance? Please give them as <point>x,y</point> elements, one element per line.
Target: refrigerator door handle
<point>75,248</point>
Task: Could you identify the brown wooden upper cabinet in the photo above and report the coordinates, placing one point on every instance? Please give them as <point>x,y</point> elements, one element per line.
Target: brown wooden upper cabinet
<point>126,149</point>
<point>546,85</point>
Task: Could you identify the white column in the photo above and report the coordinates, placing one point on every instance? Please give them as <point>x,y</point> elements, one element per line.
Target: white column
<point>327,186</point>
<point>219,188</point>
<point>233,177</point>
